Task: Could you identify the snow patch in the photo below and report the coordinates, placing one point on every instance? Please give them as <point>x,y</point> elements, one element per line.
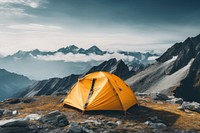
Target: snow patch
<point>173,59</point>
<point>169,81</point>
<point>152,58</point>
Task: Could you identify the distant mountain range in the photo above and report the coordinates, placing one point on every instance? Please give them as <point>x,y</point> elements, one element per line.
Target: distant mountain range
<point>69,49</point>
<point>11,83</point>
<point>176,72</point>
<point>69,60</point>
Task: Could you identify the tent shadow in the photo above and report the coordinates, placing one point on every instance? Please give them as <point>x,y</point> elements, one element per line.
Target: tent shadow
<point>139,114</point>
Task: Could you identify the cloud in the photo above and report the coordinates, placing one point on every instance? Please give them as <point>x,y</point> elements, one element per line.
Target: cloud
<point>83,58</point>
<point>11,11</point>
<point>17,7</point>
<point>34,27</point>
<point>30,3</point>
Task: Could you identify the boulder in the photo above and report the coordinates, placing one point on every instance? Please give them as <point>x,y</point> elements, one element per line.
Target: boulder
<point>159,96</point>
<point>16,123</point>
<point>16,130</point>
<point>54,118</point>
<point>193,106</point>
<point>15,126</point>
<point>74,128</point>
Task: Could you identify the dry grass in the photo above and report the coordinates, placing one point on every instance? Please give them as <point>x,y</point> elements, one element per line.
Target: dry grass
<point>168,113</point>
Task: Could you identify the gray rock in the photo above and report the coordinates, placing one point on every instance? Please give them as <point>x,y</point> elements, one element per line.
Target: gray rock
<point>28,100</point>
<point>141,94</point>
<point>86,130</point>
<point>54,118</point>
<point>111,124</point>
<point>7,112</point>
<point>155,125</point>
<point>15,126</point>
<point>13,101</point>
<point>16,123</point>
<point>15,112</point>
<point>33,117</point>
<point>188,131</point>
<point>62,100</point>
<point>61,93</point>
<point>158,125</point>
<point>171,97</point>
<point>74,128</point>
<point>118,122</point>
<point>154,119</point>
<point>16,130</point>
<point>95,122</point>
<point>180,108</point>
<point>159,96</point>
<point>1,112</point>
<point>176,101</point>
<point>193,106</point>
<point>147,122</point>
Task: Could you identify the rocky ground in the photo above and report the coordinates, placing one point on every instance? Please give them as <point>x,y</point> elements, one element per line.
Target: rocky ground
<point>47,114</point>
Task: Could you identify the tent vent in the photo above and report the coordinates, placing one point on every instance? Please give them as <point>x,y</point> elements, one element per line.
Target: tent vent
<point>90,93</point>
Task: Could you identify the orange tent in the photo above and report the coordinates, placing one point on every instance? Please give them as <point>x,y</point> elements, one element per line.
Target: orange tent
<point>101,91</point>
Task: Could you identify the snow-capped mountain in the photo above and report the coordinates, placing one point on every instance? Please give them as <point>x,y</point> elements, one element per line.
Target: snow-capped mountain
<point>11,83</point>
<point>176,72</point>
<point>69,60</point>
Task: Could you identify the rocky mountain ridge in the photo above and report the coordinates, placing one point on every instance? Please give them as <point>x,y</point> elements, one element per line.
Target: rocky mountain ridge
<point>176,72</point>
<point>55,86</point>
<point>11,83</point>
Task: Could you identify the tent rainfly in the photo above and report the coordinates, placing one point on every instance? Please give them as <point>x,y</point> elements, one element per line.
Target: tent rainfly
<point>101,91</point>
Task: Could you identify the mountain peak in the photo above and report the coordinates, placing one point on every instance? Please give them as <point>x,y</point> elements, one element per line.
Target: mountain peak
<point>95,50</point>
<point>72,47</point>
<point>69,49</point>
<point>35,52</point>
<point>94,47</point>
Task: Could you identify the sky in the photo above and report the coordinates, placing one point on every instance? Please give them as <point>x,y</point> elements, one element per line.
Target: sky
<point>133,25</point>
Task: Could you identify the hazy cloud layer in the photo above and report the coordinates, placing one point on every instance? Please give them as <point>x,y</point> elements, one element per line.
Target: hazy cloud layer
<point>83,58</point>
<point>34,27</point>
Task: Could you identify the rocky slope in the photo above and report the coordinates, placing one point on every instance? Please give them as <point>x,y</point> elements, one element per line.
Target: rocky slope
<point>12,83</point>
<point>176,72</point>
<point>46,114</point>
<point>54,86</point>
